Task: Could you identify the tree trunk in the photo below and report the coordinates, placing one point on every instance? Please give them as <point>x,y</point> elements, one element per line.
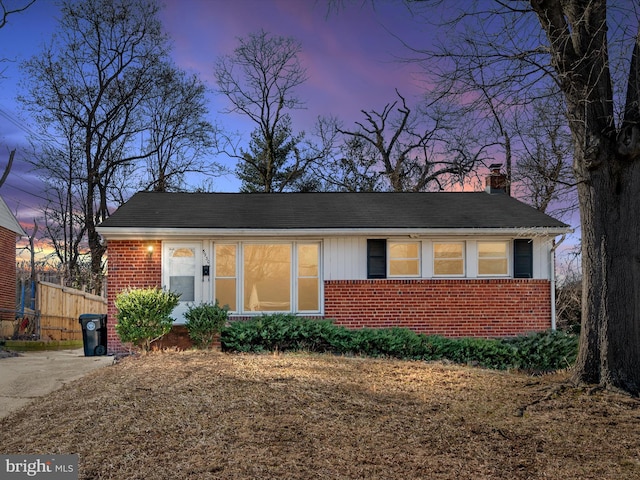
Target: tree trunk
<point>609,200</point>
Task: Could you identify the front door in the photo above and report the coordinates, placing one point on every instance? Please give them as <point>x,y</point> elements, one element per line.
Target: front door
<point>182,273</point>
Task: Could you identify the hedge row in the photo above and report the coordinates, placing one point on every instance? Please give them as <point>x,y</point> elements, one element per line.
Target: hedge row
<point>546,351</point>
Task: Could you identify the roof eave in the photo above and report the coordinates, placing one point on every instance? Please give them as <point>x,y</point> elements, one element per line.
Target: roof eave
<point>128,233</point>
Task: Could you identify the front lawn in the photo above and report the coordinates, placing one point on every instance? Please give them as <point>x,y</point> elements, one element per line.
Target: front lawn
<point>208,415</point>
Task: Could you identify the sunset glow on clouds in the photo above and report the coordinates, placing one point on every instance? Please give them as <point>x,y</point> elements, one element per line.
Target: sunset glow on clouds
<point>351,56</point>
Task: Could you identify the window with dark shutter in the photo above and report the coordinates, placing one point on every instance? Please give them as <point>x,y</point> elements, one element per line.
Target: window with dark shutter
<point>376,258</point>
<point>523,258</point>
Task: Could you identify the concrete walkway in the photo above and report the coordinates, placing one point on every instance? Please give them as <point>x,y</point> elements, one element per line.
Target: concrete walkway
<point>34,374</point>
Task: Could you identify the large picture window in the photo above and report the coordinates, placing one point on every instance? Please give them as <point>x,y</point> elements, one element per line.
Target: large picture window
<point>267,278</point>
<point>281,277</point>
<point>493,259</point>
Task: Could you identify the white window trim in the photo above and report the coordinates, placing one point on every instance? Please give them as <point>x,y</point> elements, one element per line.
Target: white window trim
<point>214,271</point>
<point>419,258</point>
<point>464,258</point>
<point>293,276</point>
<point>508,255</point>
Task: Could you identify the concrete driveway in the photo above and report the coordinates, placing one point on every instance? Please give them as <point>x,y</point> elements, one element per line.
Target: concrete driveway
<point>34,374</point>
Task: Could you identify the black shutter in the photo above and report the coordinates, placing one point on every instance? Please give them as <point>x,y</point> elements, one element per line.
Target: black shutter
<point>376,258</point>
<point>523,258</point>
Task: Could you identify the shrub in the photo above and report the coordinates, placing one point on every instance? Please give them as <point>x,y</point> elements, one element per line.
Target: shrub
<point>286,332</point>
<point>143,315</point>
<point>545,351</point>
<point>204,322</point>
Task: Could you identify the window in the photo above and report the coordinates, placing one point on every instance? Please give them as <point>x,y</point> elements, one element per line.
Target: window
<point>225,275</point>
<point>261,277</point>
<point>267,277</point>
<point>523,258</point>
<point>182,266</point>
<point>404,259</point>
<point>492,258</point>
<point>376,258</point>
<point>308,277</point>
<point>448,259</point>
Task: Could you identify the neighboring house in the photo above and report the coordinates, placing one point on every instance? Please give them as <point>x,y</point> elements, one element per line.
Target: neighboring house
<point>10,230</point>
<point>455,264</point>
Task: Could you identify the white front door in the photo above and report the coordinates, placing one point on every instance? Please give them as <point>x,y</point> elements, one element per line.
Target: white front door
<point>182,273</point>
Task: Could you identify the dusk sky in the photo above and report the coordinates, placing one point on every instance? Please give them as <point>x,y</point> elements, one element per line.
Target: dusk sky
<point>351,57</point>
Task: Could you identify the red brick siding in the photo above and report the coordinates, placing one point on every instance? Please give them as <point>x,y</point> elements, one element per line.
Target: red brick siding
<point>129,266</point>
<point>8,274</point>
<point>455,308</point>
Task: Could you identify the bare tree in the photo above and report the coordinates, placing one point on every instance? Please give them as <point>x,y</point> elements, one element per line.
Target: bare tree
<point>96,74</point>
<point>7,168</point>
<point>6,10</point>
<point>406,150</point>
<point>178,134</point>
<point>543,173</point>
<point>576,47</point>
<point>260,80</point>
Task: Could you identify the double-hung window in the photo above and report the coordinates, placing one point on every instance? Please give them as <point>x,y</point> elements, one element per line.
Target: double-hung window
<point>493,258</point>
<point>404,259</point>
<point>448,259</point>
<point>225,275</point>
<point>392,259</point>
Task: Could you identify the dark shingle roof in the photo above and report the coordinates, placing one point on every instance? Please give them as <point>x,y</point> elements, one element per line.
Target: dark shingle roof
<point>326,211</point>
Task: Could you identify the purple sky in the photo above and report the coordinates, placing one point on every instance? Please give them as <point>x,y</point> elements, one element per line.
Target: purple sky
<point>350,57</point>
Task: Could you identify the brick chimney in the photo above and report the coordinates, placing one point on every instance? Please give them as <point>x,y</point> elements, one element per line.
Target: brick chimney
<point>496,181</point>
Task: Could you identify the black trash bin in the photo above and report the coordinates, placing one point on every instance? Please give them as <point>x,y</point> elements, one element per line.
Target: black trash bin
<point>94,333</point>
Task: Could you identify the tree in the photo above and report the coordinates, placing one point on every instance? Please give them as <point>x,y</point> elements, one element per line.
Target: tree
<point>178,134</point>
<point>104,84</point>
<point>404,149</point>
<point>576,46</point>
<point>543,173</point>
<point>10,10</point>
<point>6,11</point>
<point>260,80</point>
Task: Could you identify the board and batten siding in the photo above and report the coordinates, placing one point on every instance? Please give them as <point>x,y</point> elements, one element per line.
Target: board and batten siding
<point>345,258</point>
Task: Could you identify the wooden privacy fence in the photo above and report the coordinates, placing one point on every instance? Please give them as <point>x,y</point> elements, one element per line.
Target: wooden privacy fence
<point>60,307</point>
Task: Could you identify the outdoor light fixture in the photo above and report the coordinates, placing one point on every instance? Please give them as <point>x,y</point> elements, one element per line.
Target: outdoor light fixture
<point>150,251</point>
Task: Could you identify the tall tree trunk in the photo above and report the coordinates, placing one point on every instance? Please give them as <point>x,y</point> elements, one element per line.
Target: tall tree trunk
<point>610,338</point>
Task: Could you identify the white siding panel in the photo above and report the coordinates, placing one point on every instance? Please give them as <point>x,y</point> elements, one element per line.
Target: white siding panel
<point>345,258</point>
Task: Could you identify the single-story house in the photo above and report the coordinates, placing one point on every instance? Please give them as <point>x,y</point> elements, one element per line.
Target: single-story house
<point>10,230</point>
<point>455,264</point>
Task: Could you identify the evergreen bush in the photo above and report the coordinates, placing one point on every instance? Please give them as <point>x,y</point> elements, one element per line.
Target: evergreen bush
<point>144,315</point>
<point>286,332</point>
<point>204,322</point>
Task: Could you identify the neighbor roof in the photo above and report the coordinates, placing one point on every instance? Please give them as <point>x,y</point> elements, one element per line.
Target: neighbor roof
<point>152,211</point>
<point>8,221</point>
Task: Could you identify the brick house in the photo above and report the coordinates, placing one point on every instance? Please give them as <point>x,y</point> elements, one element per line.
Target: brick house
<point>10,230</point>
<point>456,264</point>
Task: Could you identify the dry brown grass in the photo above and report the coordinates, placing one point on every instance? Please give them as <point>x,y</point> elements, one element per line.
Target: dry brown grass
<point>207,415</point>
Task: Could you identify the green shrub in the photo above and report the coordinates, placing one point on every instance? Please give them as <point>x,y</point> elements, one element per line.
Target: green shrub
<point>143,315</point>
<point>286,332</point>
<point>283,332</point>
<point>490,353</point>
<point>545,351</point>
<point>388,342</point>
<point>204,322</point>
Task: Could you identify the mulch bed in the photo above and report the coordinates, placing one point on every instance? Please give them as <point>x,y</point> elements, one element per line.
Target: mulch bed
<point>207,415</point>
